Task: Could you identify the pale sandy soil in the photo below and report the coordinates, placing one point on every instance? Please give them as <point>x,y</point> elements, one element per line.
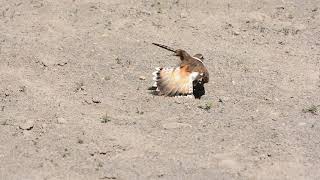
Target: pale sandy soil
<point>65,64</point>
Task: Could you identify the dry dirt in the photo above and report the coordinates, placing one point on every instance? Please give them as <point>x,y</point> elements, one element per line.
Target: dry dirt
<point>73,104</point>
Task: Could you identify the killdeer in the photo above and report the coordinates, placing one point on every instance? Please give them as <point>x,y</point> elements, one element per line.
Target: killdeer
<point>188,78</point>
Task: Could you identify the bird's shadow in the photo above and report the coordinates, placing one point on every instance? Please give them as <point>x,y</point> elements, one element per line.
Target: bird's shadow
<point>198,89</point>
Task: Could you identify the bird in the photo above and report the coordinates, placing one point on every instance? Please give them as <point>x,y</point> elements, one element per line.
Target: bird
<point>185,79</point>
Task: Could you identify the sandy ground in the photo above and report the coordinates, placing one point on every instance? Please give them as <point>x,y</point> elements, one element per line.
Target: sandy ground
<point>72,105</point>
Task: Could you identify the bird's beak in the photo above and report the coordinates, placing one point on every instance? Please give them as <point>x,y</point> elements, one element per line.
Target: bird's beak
<point>174,54</point>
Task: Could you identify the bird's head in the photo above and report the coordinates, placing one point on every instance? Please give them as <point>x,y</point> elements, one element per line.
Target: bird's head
<point>199,56</point>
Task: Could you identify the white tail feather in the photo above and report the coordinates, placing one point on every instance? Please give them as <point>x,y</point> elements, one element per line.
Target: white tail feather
<point>169,82</point>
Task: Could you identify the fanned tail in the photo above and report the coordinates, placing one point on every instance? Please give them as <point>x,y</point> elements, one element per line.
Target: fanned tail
<point>156,77</point>
<point>173,81</point>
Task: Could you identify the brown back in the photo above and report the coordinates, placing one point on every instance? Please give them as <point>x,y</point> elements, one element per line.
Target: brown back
<point>194,65</point>
<point>191,63</point>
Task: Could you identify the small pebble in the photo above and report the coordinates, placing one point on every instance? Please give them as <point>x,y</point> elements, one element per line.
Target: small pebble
<point>96,100</point>
<point>61,120</point>
<point>107,78</point>
<point>184,14</point>
<point>3,122</point>
<point>142,78</point>
<point>302,124</point>
<point>236,33</point>
<point>28,125</point>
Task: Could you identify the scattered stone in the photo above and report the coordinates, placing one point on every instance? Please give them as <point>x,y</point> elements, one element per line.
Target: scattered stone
<point>87,100</point>
<point>107,78</point>
<point>80,141</point>
<point>93,7</point>
<point>28,125</point>
<point>6,94</point>
<point>139,111</point>
<point>176,125</point>
<point>62,63</point>
<point>96,100</point>
<point>236,33</point>
<point>108,177</point>
<point>148,13</point>
<point>44,126</point>
<point>298,28</point>
<point>79,87</point>
<point>41,63</point>
<point>142,78</point>
<point>302,124</point>
<point>118,60</point>
<point>22,88</point>
<point>184,14</point>
<point>312,109</point>
<point>3,122</point>
<point>61,120</point>
<point>280,8</point>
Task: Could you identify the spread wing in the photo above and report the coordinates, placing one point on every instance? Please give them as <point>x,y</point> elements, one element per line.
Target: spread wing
<point>174,81</point>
